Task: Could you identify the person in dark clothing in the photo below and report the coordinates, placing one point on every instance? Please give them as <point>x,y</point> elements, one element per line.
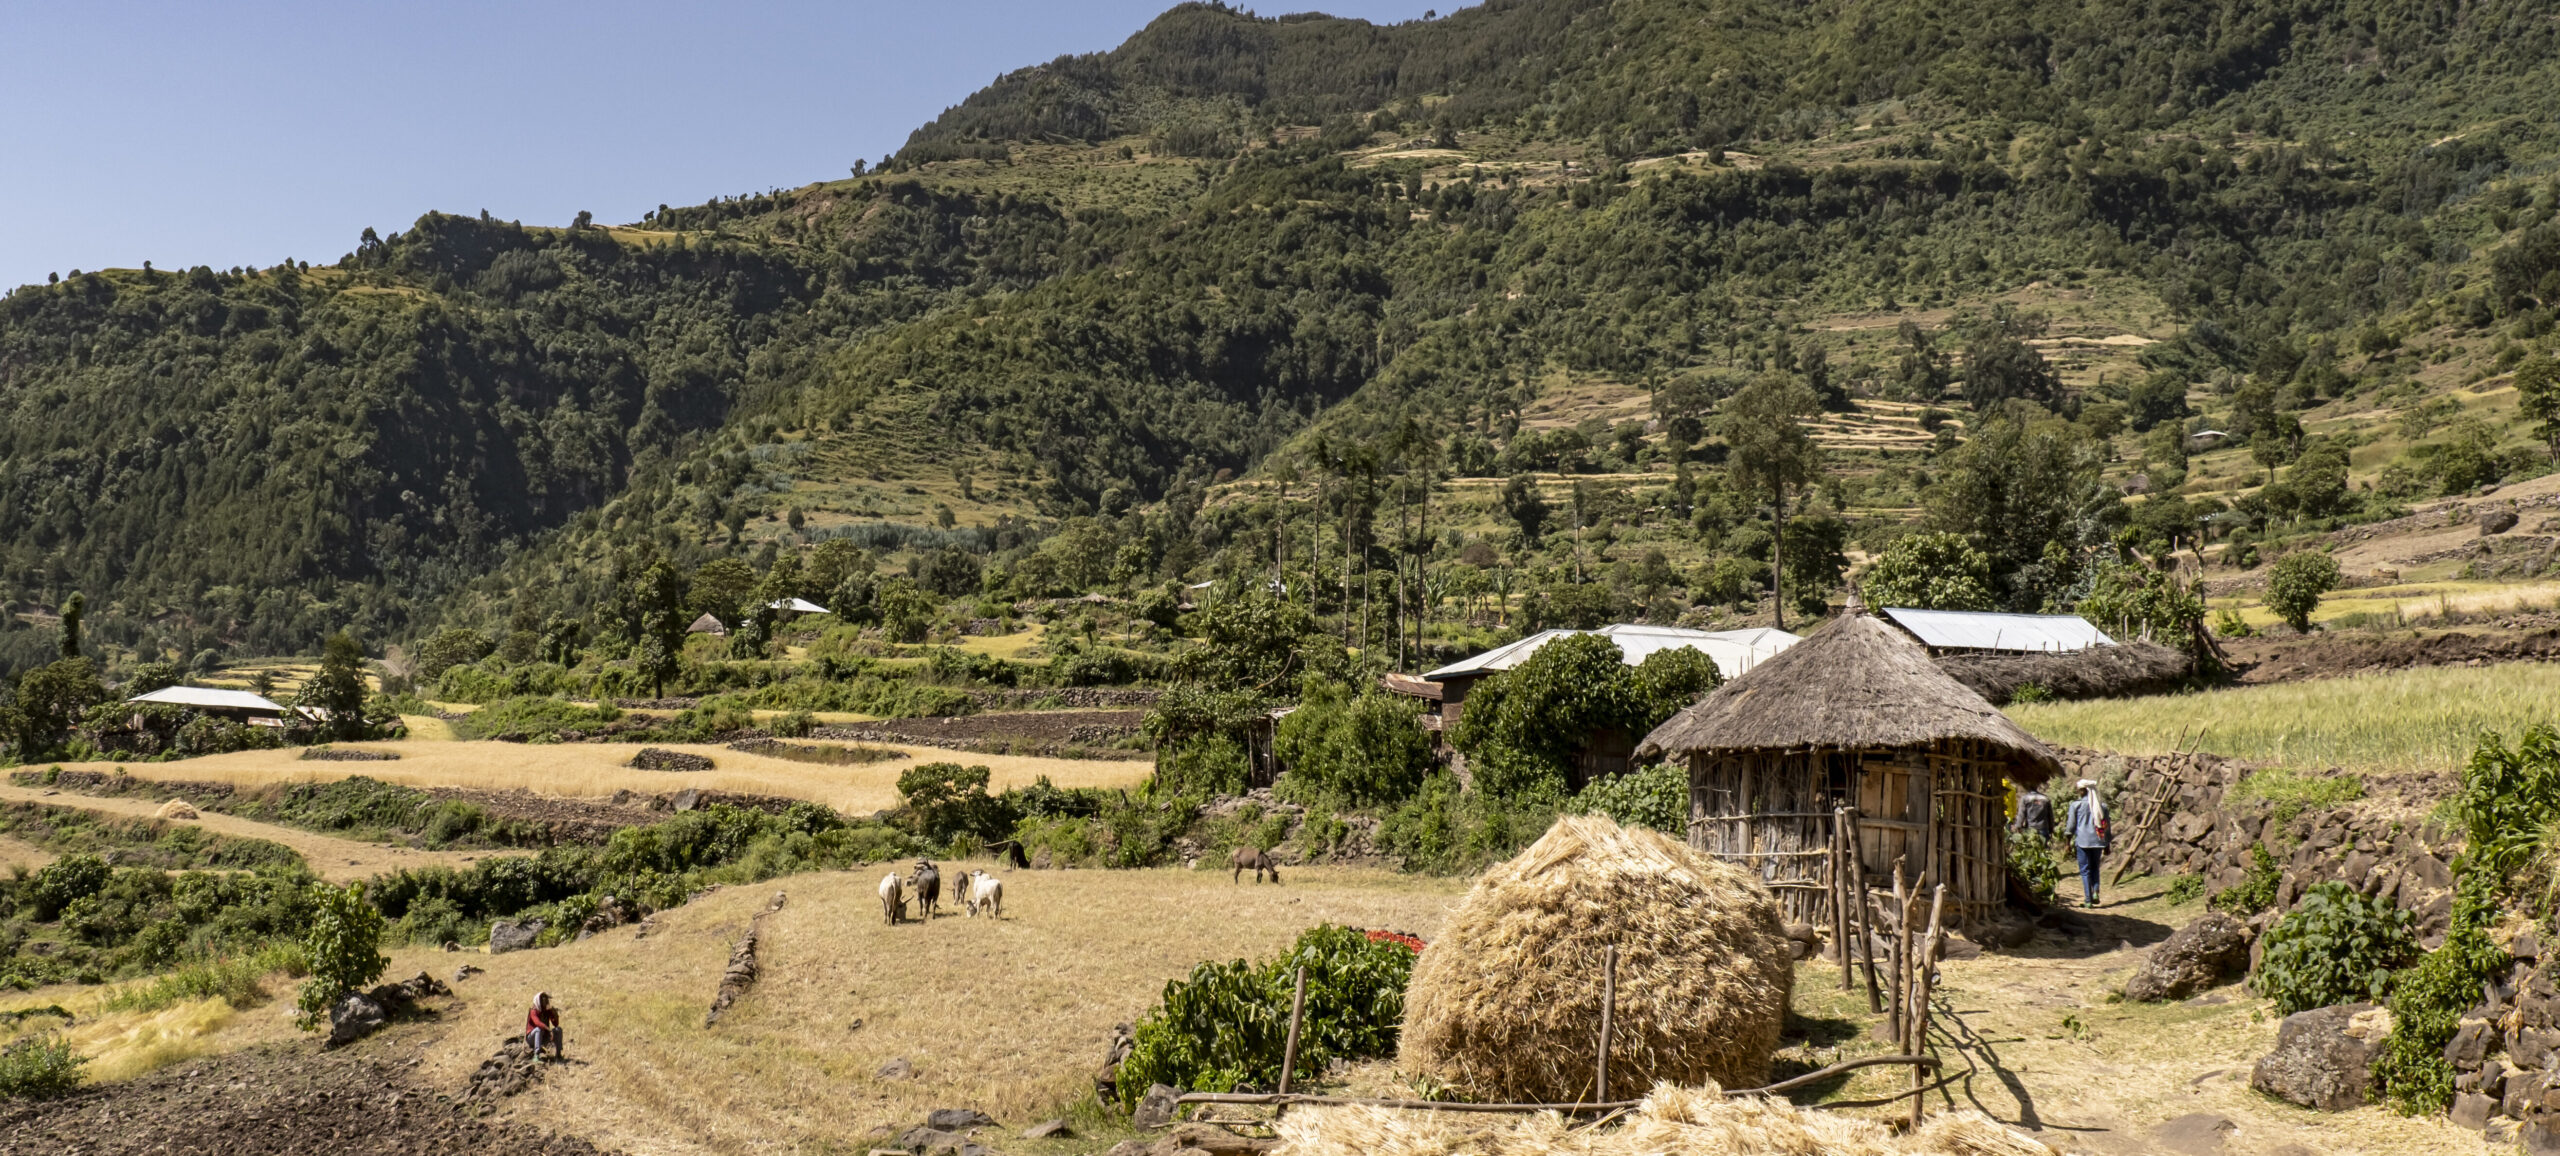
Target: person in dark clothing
<point>2035,813</point>
<point>542,1026</point>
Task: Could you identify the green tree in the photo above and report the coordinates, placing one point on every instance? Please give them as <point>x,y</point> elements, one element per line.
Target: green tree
<point>1669,680</point>
<point>719,586</point>
<point>1254,642</point>
<point>1999,364</point>
<point>2159,399</point>
<point>2295,584</point>
<point>1522,729</point>
<point>2030,497</point>
<point>339,690</point>
<point>1527,509</point>
<point>71,612</point>
<point>343,948</point>
<point>1772,453</point>
<point>48,702</point>
<point>451,647</point>
<point>1366,749</point>
<point>1931,570</point>
<point>2538,399</point>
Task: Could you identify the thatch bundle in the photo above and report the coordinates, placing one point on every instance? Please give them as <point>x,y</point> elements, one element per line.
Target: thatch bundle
<point>1505,1005</point>
<point>175,809</point>
<point>2097,672</point>
<point>1671,1120</point>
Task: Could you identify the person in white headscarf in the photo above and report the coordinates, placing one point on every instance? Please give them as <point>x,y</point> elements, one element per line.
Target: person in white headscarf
<point>542,1027</point>
<point>2086,823</point>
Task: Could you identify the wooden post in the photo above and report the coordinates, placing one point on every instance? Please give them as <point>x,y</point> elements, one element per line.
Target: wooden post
<point>1865,929</point>
<point>1297,1015</point>
<point>1919,1042</point>
<point>1608,1014</point>
<point>1840,895</point>
<point>1901,984</point>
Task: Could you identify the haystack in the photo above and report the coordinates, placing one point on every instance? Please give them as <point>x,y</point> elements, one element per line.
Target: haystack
<point>175,809</point>
<point>2132,668</point>
<point>1671,1120</point>
<point>1505,1005</point>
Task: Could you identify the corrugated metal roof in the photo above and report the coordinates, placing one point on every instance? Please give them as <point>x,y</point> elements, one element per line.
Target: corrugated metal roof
<point>1733,651</point>
<point>1977,630</point>
<point>203,696</point>
<point>795,605</point>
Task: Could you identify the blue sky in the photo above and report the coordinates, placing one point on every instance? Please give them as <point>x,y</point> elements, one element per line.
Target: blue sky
<point>247,132</point>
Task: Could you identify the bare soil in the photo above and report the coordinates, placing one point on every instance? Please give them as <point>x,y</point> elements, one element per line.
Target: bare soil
<point>279,1099</point>
<point>1048,732</point>
<point>2327,655</point>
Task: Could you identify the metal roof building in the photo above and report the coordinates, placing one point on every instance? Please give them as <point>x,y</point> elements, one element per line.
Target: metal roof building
<point>1734,651</point>
<point>1969,630</point>
<point>238,703</point>
<point>796,606</point>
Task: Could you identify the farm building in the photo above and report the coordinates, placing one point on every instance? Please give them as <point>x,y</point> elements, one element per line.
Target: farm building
<point>236,705</point>
<point>1856,716</point>
<point>795,606</point>
<point>1979,632</point>
<point>707,625</point>
<point>1734,652</point>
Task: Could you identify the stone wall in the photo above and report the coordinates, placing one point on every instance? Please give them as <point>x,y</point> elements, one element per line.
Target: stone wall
<point>2381,845</point>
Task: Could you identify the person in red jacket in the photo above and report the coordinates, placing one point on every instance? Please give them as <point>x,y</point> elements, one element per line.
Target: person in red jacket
<point>542,1026</point>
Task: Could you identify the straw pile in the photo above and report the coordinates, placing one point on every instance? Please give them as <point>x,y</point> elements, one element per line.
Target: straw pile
<point>2132,668</point>
<point>175,809</point>
<point>1672,1120</point>
<point>1505,1005</point>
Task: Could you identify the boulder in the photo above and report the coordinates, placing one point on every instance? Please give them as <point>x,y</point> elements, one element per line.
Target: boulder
<point>2494,522</point>
<point>2195,1134</point>
<point>2192,959</point>
<point>958,1119</point>
<point>464,972</point>
<point>353,1018</point>
<point>2472,1111</point>
<point>897,1069</point>
<point>1048,1128</point>
<point>508,935</point>
<point>2323,1058</point>
<point>1155,1109</point>
<point>929,1141</point>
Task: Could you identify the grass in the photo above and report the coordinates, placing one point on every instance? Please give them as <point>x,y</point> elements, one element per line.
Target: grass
<point>2406,604</point>
<point>1009,1016</point>
<point>592,770</point>
<point>2293,792</point>
<point>334,859</point>
<point>2402,722</point>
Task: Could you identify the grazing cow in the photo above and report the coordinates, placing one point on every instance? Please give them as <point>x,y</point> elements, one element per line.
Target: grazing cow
<point>987,892</point>
<point>1256,859</point>
<point>893,898</point>
<point>928,885</point>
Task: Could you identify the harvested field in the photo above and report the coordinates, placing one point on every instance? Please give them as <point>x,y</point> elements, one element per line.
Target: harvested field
<point>825,754</point>
<point>1083,732</point>
<point>595,771</point>
<point>279,1098</point>
<point>334,859</point>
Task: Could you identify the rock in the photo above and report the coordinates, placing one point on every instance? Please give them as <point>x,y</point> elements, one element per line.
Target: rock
<point>925,1140</point>
<point>657,759</point>
<point>2470,1043</point>
<point>2520,1094</point>
<point>688,799</point>
<point>1155,1109</point>
<point>402,997</point>
<point>2195,1134</point>
<point>897,1069</point>
<point>508,935</point>
<point>2192,959</point>
<point>2540,1136</point>
<point>1208,1140</point>
<point>958,1119</point>
<point>2317,1064</point>
<point>464,972</point>
<point>2473,1111</point>
<point>1048,1128</point>
<point>352,1019</point>
<point>2526,945</point>
<point>2495,522</point>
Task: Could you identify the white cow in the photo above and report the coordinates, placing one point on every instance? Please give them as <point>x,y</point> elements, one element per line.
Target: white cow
<point>986,891</point>
<point>893,898</point>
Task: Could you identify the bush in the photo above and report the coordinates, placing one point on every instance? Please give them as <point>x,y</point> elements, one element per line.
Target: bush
<point>1211,764</point>
<point>2428,1000</point>
<point>1226,1025</point>
<point>64,882</point>
<point>2334,947</point>
<point>2295,584</point>
<point>1446,831</point>
<point>1656,796</point>
<point>39,1068</point>
<point>2032,856</point>
<point>2255,892</point>
<point>948,800</point>
<point>343,949</point>
<point>1366,749</point>
<point>2184,890</point>
<point>530,717</point>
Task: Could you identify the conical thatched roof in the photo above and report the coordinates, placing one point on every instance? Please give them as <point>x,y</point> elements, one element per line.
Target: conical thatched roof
<point>1856,684</point>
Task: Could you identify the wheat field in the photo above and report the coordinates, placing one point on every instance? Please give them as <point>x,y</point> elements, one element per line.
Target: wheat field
<point>592,770</point>
<point>2410,721</point>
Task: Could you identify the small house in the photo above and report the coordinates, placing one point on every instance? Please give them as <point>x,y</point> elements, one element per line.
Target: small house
<point>1947,632</point>
<point>708,625</point>
<point>1857,715</point>
<point>238,706</point>
<point>795,606</point>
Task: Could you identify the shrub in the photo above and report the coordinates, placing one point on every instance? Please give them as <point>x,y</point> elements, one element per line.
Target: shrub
<point>2256,891</point>
<point>530,717</point>
<point>66,881</point>
<point>2293,792</point>
<point>2186,889</point>
<point>39,1068</point>
<point>1655,796</point>
<point>2295,584</point>
<point>1211,764</point>
<point>1447,831</point>
<point>343,949</point>
<point>2428,1000</point>
<point>2334,947</point>
<point>1366,749</point>
<point>1226,1025</point>
<point>2031,856</point>
<point>948,800</point>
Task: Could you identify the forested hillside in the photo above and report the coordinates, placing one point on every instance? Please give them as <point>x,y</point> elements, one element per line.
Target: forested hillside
<point>1490,300</point>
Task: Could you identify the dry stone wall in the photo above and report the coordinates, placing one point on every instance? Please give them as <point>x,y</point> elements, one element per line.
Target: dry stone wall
<point>2382,845</point>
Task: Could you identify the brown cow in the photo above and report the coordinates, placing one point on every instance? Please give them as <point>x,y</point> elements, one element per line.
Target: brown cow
<point>1258,860</point>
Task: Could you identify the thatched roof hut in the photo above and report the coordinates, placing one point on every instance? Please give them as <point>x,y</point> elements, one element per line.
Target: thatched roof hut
<point>1857,715</point>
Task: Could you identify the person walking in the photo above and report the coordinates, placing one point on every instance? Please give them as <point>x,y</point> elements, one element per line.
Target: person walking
<point>542,1026</point>
<point>2086,823</point>
<point>2035,813</point>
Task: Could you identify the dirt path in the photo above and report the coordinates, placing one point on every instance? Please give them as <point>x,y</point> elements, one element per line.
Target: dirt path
<point>2041,1039</point>
<point>334,859</point>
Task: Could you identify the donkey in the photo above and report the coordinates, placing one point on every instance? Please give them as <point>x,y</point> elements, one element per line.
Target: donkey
<point>1256,859</point>
<point>928,885</point>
